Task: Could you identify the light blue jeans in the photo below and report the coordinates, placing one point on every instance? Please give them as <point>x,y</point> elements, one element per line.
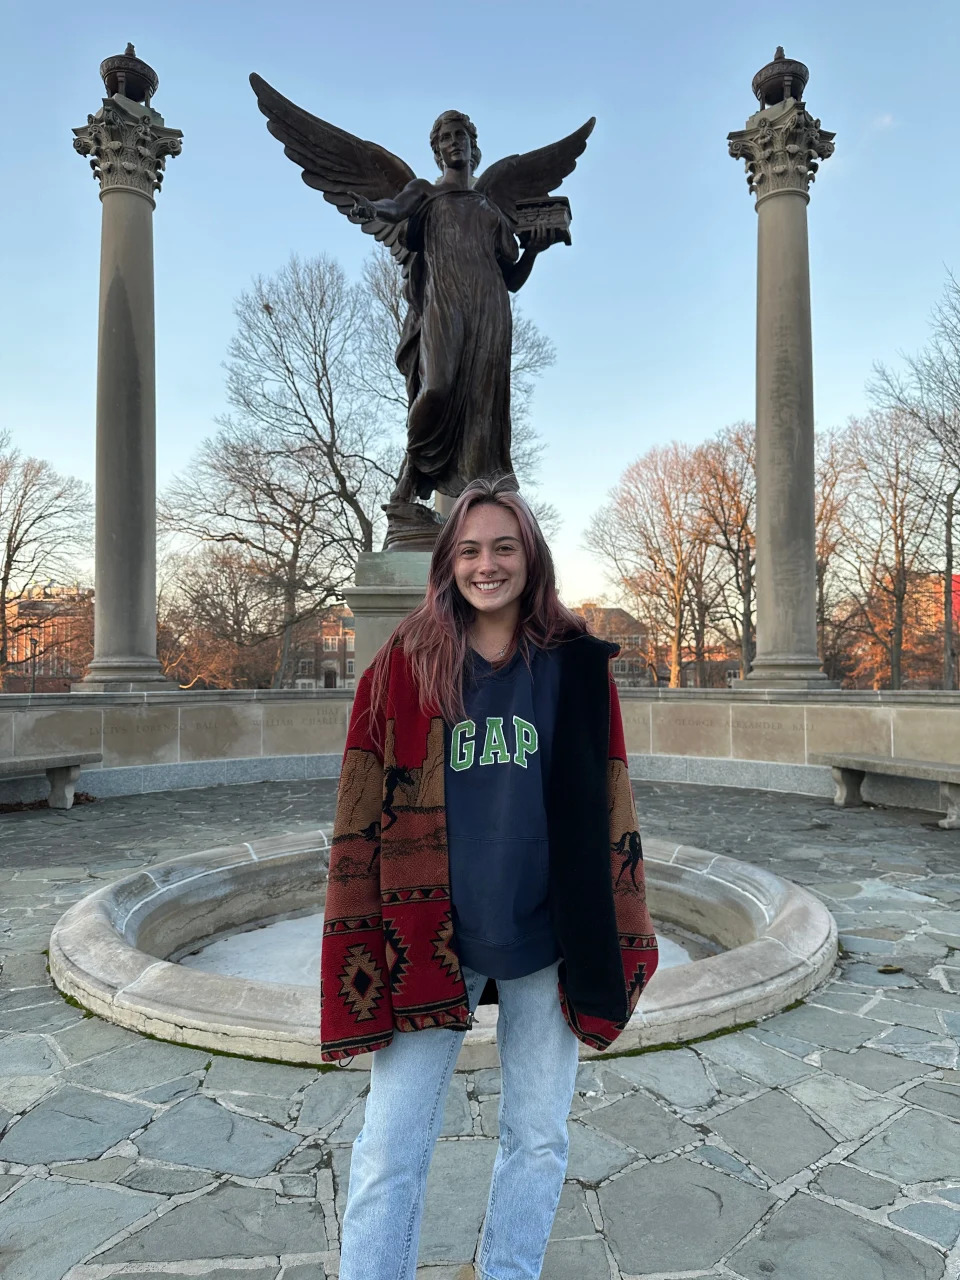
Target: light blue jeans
<point>403,1117</point>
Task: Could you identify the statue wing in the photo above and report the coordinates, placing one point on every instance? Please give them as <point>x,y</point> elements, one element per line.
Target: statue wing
<point>336,163</point>
<point>533,175</point>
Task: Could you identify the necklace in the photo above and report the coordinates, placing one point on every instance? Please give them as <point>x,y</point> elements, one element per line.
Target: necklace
<point>497,656</point>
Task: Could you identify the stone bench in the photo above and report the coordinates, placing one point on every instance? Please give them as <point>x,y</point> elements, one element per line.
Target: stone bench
<point>62,771</point>
<point>849,772</point>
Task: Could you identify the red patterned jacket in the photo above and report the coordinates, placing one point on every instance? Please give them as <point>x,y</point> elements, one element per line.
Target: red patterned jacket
<point>389,960</point>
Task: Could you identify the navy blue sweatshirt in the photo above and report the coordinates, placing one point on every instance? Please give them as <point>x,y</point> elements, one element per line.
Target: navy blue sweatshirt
<point>497,761</point>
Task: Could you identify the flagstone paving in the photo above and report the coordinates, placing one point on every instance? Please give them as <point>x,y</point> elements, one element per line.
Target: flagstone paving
<point>821,1144</point>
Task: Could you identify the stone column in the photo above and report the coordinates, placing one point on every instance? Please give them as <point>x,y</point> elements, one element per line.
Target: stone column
<point>781,145</point>
<point>127,143</point>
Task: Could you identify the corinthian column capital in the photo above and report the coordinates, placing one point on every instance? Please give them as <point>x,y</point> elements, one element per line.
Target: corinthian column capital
<point>128,145</point>
<point>782,146</point>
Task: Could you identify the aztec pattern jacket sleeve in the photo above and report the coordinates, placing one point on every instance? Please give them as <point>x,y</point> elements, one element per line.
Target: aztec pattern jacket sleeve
<point>389,961</point>
<point>356,1014</point>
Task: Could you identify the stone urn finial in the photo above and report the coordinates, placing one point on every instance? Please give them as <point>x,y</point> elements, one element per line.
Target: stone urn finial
<point>129,76</point>
<point>780,79</point>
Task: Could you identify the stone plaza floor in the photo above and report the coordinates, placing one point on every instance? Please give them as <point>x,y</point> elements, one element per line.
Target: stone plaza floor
<point>820,1144</point>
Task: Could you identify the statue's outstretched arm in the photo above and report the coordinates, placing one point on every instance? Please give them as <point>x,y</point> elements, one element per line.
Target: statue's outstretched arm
<point>399,209</point>
<point>348,170</point>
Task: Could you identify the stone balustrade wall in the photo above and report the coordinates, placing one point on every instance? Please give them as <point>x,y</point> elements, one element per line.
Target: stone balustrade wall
<point>161,741</point>
<point>765,740</point>
<point>164,741</point>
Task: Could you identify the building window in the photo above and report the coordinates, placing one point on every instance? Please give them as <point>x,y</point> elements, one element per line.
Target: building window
<point>331,643</point>
<point>349,666</point>
<point>350,640</point>
<point>619,667</point>
<point>305,667</point>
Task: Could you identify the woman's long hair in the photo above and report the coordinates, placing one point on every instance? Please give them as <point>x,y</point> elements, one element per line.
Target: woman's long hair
<point>434,636</point>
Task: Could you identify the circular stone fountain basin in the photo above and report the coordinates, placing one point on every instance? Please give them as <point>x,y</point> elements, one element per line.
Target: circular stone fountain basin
<point>111,951</point>
<point>287,950</point>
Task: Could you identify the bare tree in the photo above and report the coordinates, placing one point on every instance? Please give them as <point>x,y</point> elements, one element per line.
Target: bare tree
<point>295,376</point>
<point>45,527</point>
<point>728,499</point>
<point>386,309</point>
<point>220,620</point>
<point>270,498</point>
<point>652,523</point>
<point>227,592</point>
<point>887,525</point>
<point>836,611</point>
<point>644,597</point>
<point>295,478</point>
<point>705,590</point>
<point>928,389</point>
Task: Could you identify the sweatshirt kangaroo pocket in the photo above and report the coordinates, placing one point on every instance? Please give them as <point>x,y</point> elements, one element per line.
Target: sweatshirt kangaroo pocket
<point>499,888</point>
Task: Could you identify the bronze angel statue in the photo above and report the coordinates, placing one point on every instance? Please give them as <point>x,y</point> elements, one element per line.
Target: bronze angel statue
<point>457,241</point>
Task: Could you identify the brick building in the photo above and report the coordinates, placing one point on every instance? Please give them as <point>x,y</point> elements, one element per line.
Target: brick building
<point>49,638</point>
<point>324,654</point>
<point>631,666</point>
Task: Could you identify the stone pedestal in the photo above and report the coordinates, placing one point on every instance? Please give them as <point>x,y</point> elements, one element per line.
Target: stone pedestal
<point>127,143</point>
<point>781,145</point>
<point>387,586</point>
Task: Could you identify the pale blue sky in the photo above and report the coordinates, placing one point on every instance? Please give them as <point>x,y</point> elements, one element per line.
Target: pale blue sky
<point>651,311</point>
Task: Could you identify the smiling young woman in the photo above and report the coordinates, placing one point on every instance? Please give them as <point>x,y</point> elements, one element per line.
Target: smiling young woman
<point>490,571</point>
<point>483,806</point>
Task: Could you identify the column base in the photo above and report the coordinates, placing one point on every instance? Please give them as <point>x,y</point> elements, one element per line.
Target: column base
<point>800,673</point>
<point>124,675</point>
